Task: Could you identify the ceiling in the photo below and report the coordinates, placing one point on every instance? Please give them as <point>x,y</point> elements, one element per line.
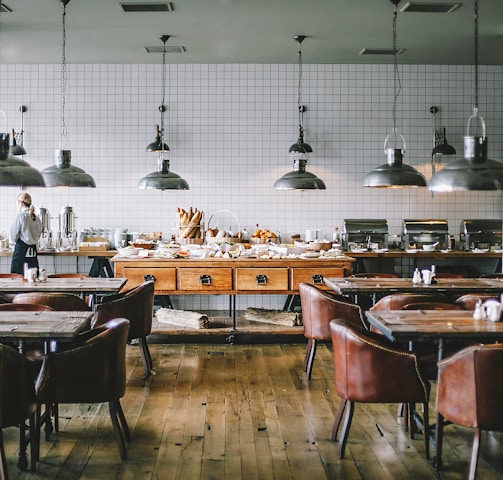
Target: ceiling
<point>248,31</point>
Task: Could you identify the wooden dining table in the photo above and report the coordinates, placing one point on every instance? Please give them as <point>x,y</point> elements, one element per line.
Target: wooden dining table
<point>434,326</point>
<point>82,286</point>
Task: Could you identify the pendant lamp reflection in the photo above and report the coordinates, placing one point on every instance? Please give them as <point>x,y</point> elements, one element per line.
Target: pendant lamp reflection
<point>394,173</point>
<point>299,178</point>
<point>15,172</point>
<point>17,147</point>
<point>63,173</point>
<point>475,171</point>
<point>162,179</point>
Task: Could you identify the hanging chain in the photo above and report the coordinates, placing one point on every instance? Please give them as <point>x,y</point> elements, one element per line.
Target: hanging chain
<point>63,78</point>
<point>476,43</point>
<point>397,86</point>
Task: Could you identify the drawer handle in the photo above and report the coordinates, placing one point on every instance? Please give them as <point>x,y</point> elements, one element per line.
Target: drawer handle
<point>205,279</point>
<point>261,279</point>
<point>149,277</point>
<point>318,279</point>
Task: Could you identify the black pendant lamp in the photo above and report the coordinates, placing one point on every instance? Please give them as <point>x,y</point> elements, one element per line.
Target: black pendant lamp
<point>394,173</point>
<point>299,178</point>
<point>63,173</point>
<point>475,171</point>
<point>162,179</point>
<point>17,147</point>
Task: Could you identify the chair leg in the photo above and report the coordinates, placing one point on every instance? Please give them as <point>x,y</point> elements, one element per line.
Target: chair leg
<point>410,416</point>
<point>426,430</point>
<point>439,434</point>
<point>337,420</point>
<point>309,357</point>
<point>345,429</point>
<point>146,358</point>
<point>34,442</point>
<point>123,422</point>
<point>119,434</point>
<point>475,454</point>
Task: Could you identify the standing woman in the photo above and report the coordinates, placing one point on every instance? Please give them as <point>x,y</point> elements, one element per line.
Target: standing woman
<point>25,232</point>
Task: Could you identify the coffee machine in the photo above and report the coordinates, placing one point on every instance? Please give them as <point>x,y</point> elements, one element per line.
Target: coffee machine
<point>67,231</point>
<point>45,242</point>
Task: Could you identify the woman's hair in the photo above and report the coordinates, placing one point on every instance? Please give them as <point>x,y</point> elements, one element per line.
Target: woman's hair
<point>25,199</point>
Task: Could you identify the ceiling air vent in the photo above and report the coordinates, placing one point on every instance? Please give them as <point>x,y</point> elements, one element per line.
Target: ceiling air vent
<point>380,51</point>
<point>148,7</point>
<point>169,49</point>
<point>428,7</point>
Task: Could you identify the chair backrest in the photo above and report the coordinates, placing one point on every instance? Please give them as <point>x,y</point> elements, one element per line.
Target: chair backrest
<point>24,307</point>
<point>137,305</point>
<point>11,275</point>
<point>469,388</point>
<point>367,368</point>
<point>432,306</point>
<point>319,307</point>
<point>469,300</point>
<point>57,301</point>
<point>92,372</point>
<point>17,390</point>
<point>449,275</point>
<point>375,275</point>
<point>67,275</point>
<point>396,301</point>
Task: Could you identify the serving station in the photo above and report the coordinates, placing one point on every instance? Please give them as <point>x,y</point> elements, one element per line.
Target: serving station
<point>229,276</point>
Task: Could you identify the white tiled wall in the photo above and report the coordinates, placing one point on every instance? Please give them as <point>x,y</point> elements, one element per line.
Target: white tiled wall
<point>229,128</point>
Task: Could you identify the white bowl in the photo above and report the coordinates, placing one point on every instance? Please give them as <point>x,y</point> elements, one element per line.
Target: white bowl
<point>127,251</point>
<point>429,248</point>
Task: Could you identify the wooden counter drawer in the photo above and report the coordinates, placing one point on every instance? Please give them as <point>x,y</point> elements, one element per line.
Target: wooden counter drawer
<point>205,279</point>
<point>164,278</point>
<point>261,279</point>
<point>314,275</point>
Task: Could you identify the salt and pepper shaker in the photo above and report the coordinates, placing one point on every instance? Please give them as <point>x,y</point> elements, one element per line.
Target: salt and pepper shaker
<point>433,274</point>
<point>479,313</point>
<point>416,278</point>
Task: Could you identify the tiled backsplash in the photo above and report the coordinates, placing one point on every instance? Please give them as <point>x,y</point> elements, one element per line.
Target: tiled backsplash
<point>229,128</point>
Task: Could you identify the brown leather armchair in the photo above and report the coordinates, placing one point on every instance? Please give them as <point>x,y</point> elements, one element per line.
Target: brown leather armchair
<point>7,297</point>
<point>396,301</point>
<point>137,305</point>
<point>432,306</point>
<point>469,394</point>
<point>469,300</point>
<point>318,308</point>
<point>18,403</point>
<point>369,369</point>
<point>93,372</point>
<point>57,301</point>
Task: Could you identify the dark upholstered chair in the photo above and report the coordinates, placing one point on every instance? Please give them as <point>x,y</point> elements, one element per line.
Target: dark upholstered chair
<point>137,305</point>
<point>93,372</point>
<point>396,301</point>
<point>55,300</point>
<point>318,308</point>
<point>469,300</point>
<point>17,404</point>
<point>369,369</point>
<point>24,307</point>
<point>469,394</point>
<point>366,301</point>
<point>432,306</point>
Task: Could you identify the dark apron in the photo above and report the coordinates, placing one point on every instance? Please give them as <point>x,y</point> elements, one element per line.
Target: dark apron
<point>23,253</point>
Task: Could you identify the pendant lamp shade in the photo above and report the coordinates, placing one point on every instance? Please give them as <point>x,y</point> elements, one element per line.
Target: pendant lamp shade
<point>162,179</point>
<point>394,173</point>
<point>299,178</point>
<point>475,171</point>
<point>63,173</point>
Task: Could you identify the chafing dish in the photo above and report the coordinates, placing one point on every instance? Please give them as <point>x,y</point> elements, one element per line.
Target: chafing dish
<point>365,232</point>
<point>416,233</point>
<point>480,234</point>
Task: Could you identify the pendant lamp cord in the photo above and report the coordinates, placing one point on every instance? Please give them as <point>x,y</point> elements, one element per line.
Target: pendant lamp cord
<point>299,92</point>
<point>64,132</point>
<point>397,85</point>
<point>476,43</point>
<point>162,108</point>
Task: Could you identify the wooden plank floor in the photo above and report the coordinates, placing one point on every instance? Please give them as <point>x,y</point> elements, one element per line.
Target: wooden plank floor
<point>241,412</point>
